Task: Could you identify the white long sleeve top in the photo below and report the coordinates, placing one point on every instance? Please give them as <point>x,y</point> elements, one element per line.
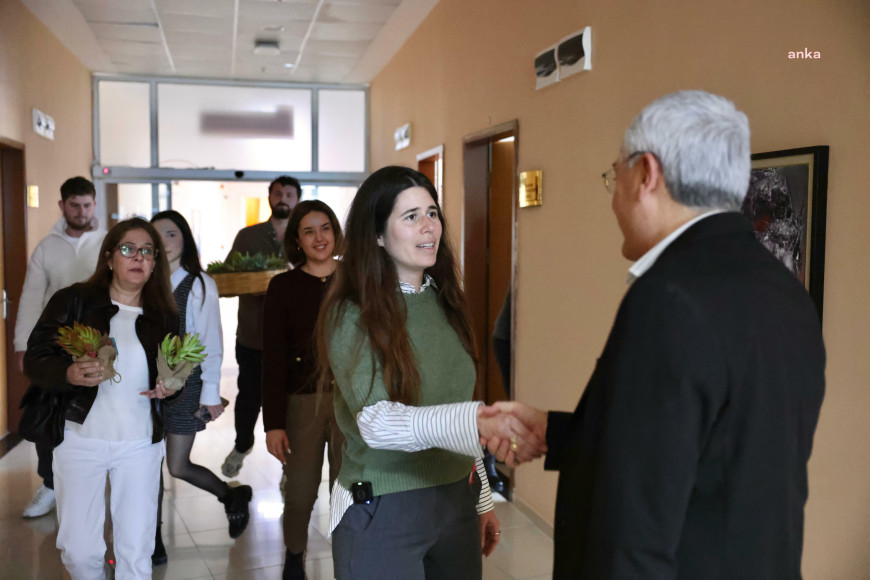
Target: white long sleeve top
<point>398,427</point>
<point>57,261</point>
<point>203,316</point>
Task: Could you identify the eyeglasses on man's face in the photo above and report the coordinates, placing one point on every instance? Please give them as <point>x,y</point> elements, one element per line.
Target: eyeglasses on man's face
<point>609,176</point>
<point>130,251</point>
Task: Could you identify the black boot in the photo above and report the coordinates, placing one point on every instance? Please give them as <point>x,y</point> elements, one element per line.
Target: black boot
<point>294,566</point>
<point>495,481</point>
<point>159,557</point>
<point>236,506</point>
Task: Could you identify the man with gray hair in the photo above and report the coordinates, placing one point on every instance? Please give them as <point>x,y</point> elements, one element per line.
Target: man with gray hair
<point>687,454</point>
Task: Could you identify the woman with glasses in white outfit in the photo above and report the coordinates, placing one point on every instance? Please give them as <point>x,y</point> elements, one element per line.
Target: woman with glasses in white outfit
<point>113,427</point>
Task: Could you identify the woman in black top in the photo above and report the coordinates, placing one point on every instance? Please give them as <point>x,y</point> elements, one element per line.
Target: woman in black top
<point>297,425</point>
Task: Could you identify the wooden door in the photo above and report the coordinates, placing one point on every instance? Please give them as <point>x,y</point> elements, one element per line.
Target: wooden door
<point>474,245</point>
<point>499,255</point>
<point>431,164</point>
<point>14,236</point>
<point>488,239</point>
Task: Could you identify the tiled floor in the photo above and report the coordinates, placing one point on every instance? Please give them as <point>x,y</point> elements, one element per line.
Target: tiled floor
<point>195,528</point>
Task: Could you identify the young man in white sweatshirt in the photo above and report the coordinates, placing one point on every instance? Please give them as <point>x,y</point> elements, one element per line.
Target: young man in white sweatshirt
<point>68,254</point>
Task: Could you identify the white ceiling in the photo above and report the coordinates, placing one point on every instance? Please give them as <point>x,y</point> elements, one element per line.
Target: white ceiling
<point>321,41</point>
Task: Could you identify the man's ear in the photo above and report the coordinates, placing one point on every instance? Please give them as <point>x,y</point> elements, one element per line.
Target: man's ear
<point>60,205</point>
<point>652,180</point>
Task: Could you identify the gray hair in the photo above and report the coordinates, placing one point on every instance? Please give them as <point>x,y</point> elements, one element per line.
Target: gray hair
<point>702,143</point>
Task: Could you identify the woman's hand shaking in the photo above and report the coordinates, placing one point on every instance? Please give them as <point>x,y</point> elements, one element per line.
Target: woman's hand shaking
<point>514,432</point>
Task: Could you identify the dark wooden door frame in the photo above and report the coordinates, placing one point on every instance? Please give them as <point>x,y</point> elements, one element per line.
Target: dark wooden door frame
<point>13,184</point>
<point>470,143</point>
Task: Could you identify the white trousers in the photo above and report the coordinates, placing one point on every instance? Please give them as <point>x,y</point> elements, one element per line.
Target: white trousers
<point>80,468</point>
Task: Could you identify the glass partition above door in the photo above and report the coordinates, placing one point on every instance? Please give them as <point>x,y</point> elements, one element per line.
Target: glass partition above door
<point>125,125</point>
<point>168,129</point>
<point>228,127</point>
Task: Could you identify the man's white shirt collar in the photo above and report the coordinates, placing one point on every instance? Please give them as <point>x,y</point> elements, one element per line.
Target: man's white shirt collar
<point>646,261</point>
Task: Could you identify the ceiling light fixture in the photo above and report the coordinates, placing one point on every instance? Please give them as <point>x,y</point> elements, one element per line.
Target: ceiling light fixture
<point>266,48</point>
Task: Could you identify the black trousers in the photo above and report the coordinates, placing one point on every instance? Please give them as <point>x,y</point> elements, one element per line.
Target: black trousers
<point>44,455</point>
<point>431,533</point>
<point>250,398</point>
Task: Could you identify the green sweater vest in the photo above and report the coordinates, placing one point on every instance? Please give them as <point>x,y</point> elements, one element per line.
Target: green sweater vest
<point>447,375</point>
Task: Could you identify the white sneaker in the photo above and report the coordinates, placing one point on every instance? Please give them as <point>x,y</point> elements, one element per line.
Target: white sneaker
<point>233,463</point>
<point>42,503</point>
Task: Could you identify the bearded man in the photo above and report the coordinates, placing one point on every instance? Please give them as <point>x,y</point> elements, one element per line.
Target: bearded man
<point>265,238</point>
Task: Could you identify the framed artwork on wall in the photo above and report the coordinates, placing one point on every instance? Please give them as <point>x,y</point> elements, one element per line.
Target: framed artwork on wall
<point>787,203</point>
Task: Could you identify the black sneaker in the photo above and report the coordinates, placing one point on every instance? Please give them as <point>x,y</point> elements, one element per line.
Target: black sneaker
<point>294,566</point>
<point>236,507</point>
<point>159,557</point>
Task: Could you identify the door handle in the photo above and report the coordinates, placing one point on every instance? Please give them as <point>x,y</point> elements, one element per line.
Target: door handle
<point>5,302</point>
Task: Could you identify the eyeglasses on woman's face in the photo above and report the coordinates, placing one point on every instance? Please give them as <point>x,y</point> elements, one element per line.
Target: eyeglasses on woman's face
<point>130,251</point>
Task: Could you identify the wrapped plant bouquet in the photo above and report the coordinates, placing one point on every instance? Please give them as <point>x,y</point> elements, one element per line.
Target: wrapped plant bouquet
<point>177,358</point>
<point>85,344</point>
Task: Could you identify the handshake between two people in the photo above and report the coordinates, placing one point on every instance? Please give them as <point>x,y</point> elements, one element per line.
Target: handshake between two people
<point>514,432</point>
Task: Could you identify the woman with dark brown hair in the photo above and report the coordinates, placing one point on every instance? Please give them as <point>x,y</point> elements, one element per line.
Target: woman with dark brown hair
<point>297,427</point>
<point>196,296</point>
<point>411,500</point>
<point>113,425</point>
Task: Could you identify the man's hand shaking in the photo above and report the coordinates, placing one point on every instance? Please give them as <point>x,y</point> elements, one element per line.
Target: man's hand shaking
<point>514,432</point>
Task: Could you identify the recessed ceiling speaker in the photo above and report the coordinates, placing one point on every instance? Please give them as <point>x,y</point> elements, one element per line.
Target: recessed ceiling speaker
<point>266,48</point>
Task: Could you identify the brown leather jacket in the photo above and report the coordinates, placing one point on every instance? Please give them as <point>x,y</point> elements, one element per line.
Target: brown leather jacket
<point>46,363</point>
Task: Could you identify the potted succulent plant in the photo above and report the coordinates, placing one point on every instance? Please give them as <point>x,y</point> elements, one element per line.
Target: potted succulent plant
<point>245,273</point>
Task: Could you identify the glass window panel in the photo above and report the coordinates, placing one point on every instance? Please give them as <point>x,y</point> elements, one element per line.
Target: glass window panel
<point>134,200</point>
<point>338,199</point>
<point>341,130</point>
<point>220,127</point>
<point>164,193</point>
<point>125,124</point>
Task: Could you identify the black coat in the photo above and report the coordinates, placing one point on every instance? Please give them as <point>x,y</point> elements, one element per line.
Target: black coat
<point>686,456</point>
<point>46,363</point>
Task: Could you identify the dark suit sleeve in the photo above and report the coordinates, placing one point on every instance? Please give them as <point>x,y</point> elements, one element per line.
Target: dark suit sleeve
<point>558,432</point>
<point>662,385</point>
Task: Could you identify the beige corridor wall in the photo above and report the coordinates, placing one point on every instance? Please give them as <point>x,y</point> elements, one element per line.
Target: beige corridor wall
<point>470,65</point>
<point>36,70</point>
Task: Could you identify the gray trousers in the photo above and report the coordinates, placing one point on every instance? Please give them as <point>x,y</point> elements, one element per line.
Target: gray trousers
<point>423,534</point>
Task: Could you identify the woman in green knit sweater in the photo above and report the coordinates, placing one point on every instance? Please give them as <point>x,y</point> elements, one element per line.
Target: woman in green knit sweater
<point>411,500</point>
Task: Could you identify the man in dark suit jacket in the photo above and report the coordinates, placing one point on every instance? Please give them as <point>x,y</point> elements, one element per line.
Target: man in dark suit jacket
<point>686,456</point>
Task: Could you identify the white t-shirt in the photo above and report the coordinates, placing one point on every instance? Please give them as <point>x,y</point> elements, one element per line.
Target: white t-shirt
<point>119,412</point>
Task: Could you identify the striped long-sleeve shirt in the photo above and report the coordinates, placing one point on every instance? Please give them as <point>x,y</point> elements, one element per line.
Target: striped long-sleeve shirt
<point>398,427</point>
